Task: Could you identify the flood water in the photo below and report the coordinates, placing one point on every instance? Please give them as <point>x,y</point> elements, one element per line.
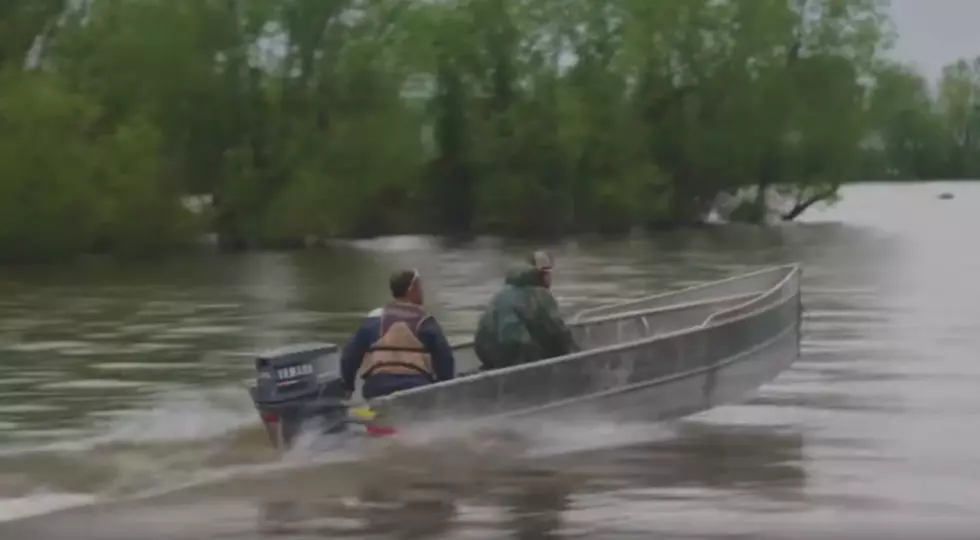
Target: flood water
<point>123,414</point>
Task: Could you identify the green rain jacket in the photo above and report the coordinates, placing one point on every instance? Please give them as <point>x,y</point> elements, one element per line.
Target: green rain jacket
<point>522,323</point>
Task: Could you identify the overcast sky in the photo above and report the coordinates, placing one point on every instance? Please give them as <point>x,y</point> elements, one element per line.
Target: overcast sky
<point>935,32</point>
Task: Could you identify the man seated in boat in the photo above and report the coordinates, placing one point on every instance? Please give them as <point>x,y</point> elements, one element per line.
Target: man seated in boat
<point>398,346</point>
<point>522,323</point>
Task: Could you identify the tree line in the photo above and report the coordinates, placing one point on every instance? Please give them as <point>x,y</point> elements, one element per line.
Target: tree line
<point>323,118</point>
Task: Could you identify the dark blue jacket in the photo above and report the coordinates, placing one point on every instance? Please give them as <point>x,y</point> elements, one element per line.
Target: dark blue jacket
<point>380,384</point>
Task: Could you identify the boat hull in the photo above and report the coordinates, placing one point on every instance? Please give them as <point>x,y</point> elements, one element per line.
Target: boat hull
<point>672,397</point>
<point>665,372</point>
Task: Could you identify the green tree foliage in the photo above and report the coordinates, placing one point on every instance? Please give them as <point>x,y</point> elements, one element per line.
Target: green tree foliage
<point>69,184</point>
<point>351,117</point>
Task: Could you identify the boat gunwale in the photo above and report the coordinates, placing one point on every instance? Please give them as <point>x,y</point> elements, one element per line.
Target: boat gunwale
<point>792,270</point>
<point>578,317</point>
<point>657,310</point>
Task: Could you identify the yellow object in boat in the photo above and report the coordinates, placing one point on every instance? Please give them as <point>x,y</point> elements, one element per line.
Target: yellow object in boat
<point>362,413</point>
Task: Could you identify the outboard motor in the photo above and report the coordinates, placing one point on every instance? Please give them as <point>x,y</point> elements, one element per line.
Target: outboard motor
<point>299,386</point>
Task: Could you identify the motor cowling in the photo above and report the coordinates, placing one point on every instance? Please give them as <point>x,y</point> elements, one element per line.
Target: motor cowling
<point>297,386</point>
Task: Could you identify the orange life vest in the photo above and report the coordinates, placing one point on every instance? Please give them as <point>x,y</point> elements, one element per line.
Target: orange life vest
<point>398,349</point>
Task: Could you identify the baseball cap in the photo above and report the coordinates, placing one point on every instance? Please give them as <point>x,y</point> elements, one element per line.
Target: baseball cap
<point>541,260</point>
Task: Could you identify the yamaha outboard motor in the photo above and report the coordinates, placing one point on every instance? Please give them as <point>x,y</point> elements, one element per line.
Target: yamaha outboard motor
<point>298,386</point>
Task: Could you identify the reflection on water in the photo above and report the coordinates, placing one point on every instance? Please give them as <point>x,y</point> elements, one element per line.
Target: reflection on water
<point>532,499</point>
<point>120,380</point>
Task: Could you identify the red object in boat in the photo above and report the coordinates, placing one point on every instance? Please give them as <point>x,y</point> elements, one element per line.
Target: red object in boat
<point>379,431</point>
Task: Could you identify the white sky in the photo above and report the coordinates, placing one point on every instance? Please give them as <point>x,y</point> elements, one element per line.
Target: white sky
<point>932,33</point>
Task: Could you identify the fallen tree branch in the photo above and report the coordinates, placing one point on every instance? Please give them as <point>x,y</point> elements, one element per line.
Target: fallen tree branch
<point>804,204</point>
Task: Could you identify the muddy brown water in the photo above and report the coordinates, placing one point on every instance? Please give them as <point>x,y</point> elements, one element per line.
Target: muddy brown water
<point>122,413</point>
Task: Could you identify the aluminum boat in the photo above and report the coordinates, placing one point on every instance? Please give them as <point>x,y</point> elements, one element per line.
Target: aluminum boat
<point>658,357</point>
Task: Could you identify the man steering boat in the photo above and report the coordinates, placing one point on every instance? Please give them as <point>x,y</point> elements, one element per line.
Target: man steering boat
<point>398,346</point>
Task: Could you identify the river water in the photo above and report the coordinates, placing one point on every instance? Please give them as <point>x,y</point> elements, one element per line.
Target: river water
<point>123,415</point>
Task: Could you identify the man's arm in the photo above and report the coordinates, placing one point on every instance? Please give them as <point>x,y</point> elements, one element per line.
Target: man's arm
<point>350,359</point>
<point>443,362</point>
<point>552,322</point>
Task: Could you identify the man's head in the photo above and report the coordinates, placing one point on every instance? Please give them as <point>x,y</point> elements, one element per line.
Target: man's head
<point>542,261</point>
<point>406,286</point>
